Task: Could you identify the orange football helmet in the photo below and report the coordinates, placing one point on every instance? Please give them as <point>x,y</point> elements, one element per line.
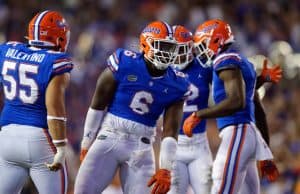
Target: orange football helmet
<point>158,44</point>
<point>49,29</point>
<point>184,40</point>
<point>210,39</point>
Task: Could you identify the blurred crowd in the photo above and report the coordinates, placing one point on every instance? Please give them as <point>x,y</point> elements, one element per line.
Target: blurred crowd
<point>98,27</point>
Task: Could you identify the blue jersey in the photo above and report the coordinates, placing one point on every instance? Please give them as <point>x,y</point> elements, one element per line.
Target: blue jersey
<point>25,74</point>
<point>200,78</point>
<point>229,60</point>
<point>139,96</point>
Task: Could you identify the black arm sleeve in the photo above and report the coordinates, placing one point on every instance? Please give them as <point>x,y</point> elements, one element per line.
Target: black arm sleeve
<point>259,82</point>
<point>260,118</point>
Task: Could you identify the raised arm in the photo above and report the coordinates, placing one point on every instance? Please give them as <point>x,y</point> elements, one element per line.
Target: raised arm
<point>273,74</point>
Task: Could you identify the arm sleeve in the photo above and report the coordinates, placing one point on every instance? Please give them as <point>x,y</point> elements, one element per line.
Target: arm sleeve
<point>260,119</point>
<point>226,61</point>
<point>113,63</point>
<point>62,65</point>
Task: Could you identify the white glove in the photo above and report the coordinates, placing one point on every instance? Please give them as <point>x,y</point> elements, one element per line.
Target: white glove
<point>59,159</point>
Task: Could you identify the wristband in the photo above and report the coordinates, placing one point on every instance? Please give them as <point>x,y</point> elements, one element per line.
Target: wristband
<point>57,141</point>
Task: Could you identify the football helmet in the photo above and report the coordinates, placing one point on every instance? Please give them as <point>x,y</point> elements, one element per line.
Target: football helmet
<point>158,44</point>
<point>49,29</point>
<point>184,40</point>
<point>210,39</point>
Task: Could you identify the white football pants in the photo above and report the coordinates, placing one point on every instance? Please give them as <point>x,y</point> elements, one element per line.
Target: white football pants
<point>123,144</point>
<point>24,150</point>
<point>235,158</point>
<point>193,165</point>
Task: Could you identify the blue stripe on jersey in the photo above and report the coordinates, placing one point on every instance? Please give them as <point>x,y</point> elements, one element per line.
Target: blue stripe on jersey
<point>63,69</point>
<point>37,24</point>
<point>169,29</point>
<point>113,62</point>
<point>109,65</point>
<point>233,57</point>
<point>61,66</point>
<point>116,58</point>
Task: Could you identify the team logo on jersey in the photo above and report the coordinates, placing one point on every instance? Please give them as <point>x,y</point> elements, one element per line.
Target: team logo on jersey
<point>132,78</point>
<point>166,90</point>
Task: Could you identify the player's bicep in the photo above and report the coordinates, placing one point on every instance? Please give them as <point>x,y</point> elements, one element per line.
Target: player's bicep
<point>172,118</point>
<point>55,95</point>
<point>234,84</point>
<point>105,89</point>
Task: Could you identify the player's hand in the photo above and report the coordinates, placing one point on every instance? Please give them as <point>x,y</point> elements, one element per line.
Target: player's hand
<point>83,152</point>
<point>190,123</point>
<point>271,74</point>
<point>269,170</point>
<point>161,182</point>
<point>59,159</point>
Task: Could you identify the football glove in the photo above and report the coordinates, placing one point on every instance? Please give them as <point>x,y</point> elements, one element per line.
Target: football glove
<point>161,182</point>
<point>190,123</point>
<point>268,169</point>
<point>273,74</point>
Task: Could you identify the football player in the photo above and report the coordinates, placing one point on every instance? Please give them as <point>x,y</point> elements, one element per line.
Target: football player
<point>266,166</point>
<point>130,95</point>
<point>234,80</point>
<point>194,159</point>
<point>33,135</point>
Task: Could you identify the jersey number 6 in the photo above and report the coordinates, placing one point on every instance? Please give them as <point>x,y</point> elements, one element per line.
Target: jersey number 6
<point>140,102</point>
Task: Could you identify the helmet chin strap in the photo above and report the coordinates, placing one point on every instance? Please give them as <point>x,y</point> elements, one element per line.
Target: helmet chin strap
<point>160,67</point>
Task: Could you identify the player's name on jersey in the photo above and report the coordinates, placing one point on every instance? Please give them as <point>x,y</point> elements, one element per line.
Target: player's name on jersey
<point>16,54</point>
